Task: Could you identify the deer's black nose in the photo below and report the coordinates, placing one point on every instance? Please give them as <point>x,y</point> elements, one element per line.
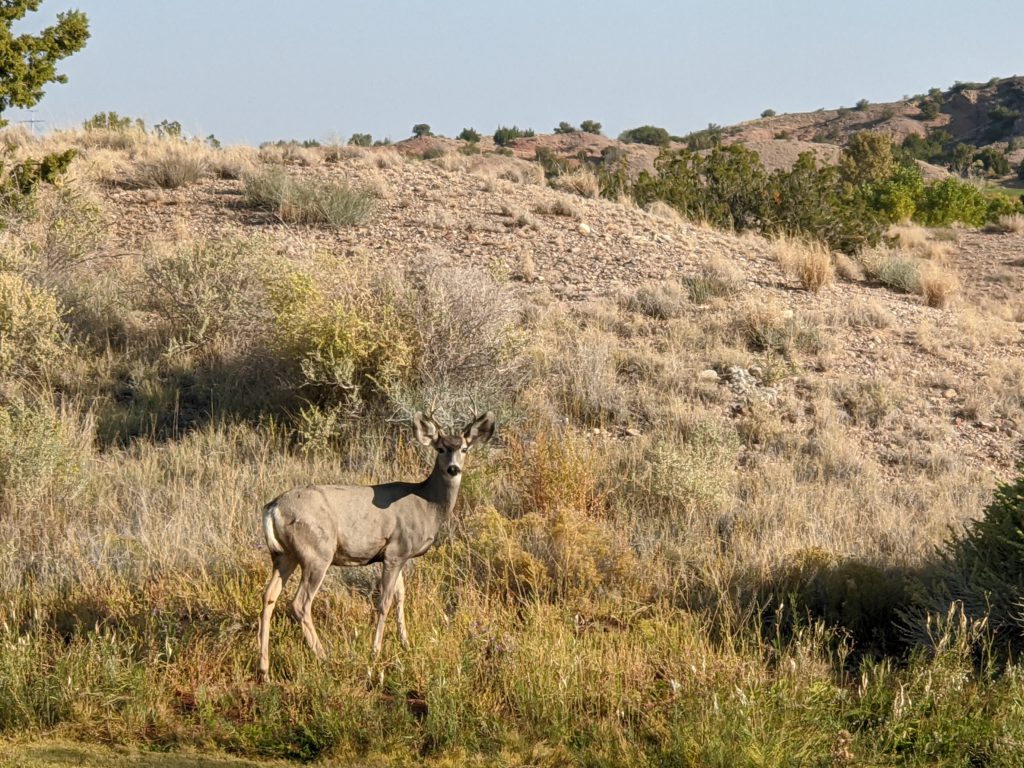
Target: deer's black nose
<point>454,471</point>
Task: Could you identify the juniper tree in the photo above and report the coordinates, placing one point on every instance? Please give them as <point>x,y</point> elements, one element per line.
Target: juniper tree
<point>29,62</point>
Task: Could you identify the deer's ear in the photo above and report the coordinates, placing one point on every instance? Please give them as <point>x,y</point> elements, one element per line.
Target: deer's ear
<point>479,431</point>
<point>425,428</point>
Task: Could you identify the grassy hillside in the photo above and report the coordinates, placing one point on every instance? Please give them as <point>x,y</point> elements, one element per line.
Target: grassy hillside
<point>711,530</point>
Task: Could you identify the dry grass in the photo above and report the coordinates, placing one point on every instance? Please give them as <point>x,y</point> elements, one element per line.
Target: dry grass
<point>919,241</point>
<point>582,182</point>
<point>938,286</point>
<point>170,164</point>
<point>809,262</point>
<point>1013,222</point>
<point>659,209</point>
<point>558,207</point>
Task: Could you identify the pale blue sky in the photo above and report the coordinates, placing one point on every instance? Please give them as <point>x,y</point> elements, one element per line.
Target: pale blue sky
<point>267,69</point>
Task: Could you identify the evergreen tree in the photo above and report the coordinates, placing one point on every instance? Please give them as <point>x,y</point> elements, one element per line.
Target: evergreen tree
<point>29,62</point>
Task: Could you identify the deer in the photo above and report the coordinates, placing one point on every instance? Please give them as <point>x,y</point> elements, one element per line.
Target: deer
<point>313,527</point>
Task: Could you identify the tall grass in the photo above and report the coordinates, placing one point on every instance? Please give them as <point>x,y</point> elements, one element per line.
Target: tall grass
<point>306,201</point>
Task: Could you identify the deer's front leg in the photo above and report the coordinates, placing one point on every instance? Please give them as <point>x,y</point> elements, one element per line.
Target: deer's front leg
<point>390,573</point>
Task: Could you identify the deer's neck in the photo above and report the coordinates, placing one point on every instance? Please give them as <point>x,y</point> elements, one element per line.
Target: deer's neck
<point>440,491</point>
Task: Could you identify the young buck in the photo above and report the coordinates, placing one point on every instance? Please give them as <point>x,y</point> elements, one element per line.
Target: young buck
<point>317,526</point>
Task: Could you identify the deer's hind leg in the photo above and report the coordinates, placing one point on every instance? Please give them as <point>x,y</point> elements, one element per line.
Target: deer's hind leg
<point>313,575</point>
<point>283,566</point>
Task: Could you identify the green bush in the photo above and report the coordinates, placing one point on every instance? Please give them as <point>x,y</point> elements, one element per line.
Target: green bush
<point>951,200</point>
<point>862,105</point>
<point>706,139</point>
<point>646,134</point>
<point>896,196</point>
<point>564,127</point>
<point>421,129</point>
<point>360,140</point>
<point>930,109</point>
<point>470,135</point>
<point>591,126</point>
<point>993,161</point>
<point>306,201</point>
<point>342,354</point>
<point>933,148</point>
<point>982,569</point>
<point>768,113</point>
<point>504,135</point>
<point>1001,122</point>
<point>111,121</point>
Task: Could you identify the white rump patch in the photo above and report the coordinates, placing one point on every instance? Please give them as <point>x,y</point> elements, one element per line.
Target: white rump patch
<point>269,513</point>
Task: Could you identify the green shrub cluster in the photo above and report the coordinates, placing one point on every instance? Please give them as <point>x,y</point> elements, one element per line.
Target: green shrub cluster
<point>646,134</point>
<point>847,207</point>
<point>982,570</point>
<point>111,121</point>
<point>504,135</point>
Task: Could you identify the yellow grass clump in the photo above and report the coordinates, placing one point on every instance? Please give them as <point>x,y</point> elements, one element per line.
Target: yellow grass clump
<point>808,261</point>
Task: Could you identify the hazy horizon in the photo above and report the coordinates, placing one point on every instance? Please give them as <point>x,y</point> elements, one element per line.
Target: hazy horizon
<point>255,71</point>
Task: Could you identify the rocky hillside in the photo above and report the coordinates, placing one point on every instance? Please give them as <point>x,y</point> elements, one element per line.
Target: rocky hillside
<point>978,114</point>
<point>956,368</point>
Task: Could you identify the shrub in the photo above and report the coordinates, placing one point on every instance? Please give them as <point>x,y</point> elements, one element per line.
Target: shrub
<point>360,140</point>
<point>564,127</point>
<point>862,105</point>
<point>768,113</point>
<point>706,139</point>
<point>432,153</point>
<point>202,290</point>
<point>950,200</point>
<point>421,129</point>
<point>463,329</point>
<point>31,330</point>
<point>982,569</point>
<point>342,347</point>
<point>591,126</point>
<point>993,161</point>
<point>646,134</point>
<point>170,165</point>
<point>1001,122</point>
<point>470,135</point>
<point>307,201</point>
<point>111,121</point>
<point>44,450</point>
<point>67,228</point>
<point>504,136</point>
<point>900,272</point>
<point>930,109</point>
